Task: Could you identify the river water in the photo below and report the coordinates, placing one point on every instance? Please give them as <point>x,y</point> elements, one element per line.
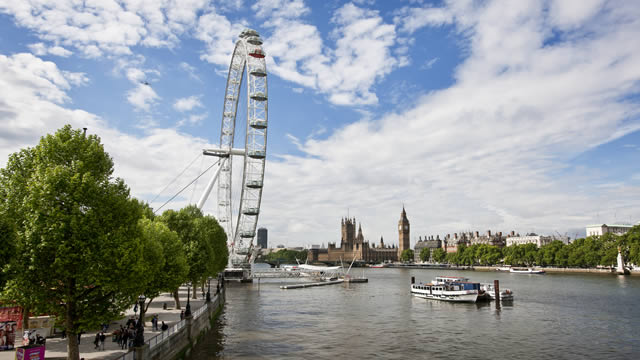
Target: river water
<point>553,316</point>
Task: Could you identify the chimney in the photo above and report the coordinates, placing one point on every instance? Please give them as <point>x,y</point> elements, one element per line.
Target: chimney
<point>513,233</point>
<point>477,234</point>
<point>489,233</point>
<point>455,235</point>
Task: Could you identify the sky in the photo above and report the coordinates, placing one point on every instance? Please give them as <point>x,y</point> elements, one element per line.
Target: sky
<point>473,115</point>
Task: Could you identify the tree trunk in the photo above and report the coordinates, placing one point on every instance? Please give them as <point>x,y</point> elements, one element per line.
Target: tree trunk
<point>176,299</point>
<point>25,318</point>
<point>193,291</point>
<point>73,352</point>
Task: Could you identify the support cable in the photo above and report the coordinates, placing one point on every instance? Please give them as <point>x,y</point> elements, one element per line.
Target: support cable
<point>186,186</point>
<point>176,178</point>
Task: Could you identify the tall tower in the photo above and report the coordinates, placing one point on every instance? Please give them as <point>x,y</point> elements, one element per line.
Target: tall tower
<point>403,233</point>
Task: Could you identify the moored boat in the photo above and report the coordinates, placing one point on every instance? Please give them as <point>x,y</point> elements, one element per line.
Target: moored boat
<point>490,290</point>
<point>525,271</point>
<point>447,288</point>
<point>506,268</point>
<point>381,265</point>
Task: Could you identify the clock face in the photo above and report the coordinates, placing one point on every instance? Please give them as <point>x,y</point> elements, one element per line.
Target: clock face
<point>399,227</point>
<point>406,227</point>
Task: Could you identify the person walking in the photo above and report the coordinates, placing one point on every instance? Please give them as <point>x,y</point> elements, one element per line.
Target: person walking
<point>96,342</point>
<point>103,337</point>
<point>154,322</point>
<point>125,338</point>
<point>182,315</point>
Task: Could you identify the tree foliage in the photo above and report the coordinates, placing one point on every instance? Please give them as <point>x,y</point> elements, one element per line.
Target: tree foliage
<point>588,252</point>
<point>407,255</point>
<point>203,240</point>
<point>76,232</point>
<point>425,254</point>
<point>286,256</point>
<point>164,260</point>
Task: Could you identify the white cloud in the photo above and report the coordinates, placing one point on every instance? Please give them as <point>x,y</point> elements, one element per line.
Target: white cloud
<point>111,27</point>
<point>142,97</point>
<point>34,107</point>
<point>192,119</point>
<point>362,53</point>
<point>188,103</point>
<point>41,49</point>
<point>486,152</point>
<point>190,70</point>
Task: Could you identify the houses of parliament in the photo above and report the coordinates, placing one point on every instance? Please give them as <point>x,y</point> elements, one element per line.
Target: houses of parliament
<point>353,245</point>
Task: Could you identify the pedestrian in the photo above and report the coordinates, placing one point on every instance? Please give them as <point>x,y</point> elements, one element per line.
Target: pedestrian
<point>79,336</point>
<point>164,326</point>
<point>64,333</point>
<point>182,315</point>
<point>103,337</point>
<point>96,341</point>
<point>125,339</point>
<point>132,335</point>
<point>154,322</point>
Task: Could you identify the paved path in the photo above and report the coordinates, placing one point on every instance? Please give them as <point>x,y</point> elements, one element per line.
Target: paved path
<point>57,347</point>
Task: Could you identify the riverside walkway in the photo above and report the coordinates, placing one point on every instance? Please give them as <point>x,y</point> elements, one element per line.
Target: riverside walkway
<point>56,347</point>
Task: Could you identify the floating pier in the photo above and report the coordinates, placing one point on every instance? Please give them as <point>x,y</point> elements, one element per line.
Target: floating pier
<point>306,285</point>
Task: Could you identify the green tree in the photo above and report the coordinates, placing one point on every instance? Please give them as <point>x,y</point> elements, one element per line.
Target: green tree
<point>407,255</point>
<point>286,256</point>
<point>7,247</point>
<point>439,255</point>
<point>77,237</point>
<point>203,240</point>
<point>425,254</point>
<point>164,261</point>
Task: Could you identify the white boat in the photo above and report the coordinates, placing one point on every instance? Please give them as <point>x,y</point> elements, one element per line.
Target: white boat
<point>525,271</point>
<point>381,265</point>
<point>506,268</point>
<point>505,294</point>
<point>447,288</point>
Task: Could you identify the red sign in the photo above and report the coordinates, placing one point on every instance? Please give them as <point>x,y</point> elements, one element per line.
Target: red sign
<point>13,313</point>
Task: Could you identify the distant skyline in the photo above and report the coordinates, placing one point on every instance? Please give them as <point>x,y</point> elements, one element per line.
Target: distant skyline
<point>476,115</point>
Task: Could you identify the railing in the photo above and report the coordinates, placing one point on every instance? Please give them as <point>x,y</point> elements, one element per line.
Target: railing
<point>163,336</point>
<point>166,334</point>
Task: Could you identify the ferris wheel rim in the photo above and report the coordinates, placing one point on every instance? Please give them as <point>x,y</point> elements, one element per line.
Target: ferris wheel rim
<point>247,55</point>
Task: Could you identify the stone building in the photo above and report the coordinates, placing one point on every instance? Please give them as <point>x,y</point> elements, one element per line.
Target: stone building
<point>429,243</point>
<point>353,245</point>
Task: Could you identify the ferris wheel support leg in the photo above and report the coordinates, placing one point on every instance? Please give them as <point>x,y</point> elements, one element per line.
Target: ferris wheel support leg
<point>212,182</point>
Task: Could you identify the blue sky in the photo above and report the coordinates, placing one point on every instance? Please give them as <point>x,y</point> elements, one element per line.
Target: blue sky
<point>476,115</point>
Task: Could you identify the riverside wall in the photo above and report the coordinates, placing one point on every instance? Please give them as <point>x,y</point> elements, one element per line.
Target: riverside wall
<point>563,270</point>
<point>179,344</point>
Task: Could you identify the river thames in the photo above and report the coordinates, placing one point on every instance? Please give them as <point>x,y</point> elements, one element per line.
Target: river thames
<point>553,316</point>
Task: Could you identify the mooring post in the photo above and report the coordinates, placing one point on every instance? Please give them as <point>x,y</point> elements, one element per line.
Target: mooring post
<point>413,280</point>
<point>496,287</point>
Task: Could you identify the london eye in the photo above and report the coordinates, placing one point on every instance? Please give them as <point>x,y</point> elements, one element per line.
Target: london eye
<point>248,54</point>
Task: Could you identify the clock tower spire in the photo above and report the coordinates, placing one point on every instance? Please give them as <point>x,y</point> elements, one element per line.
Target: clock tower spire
<point>403,233</point>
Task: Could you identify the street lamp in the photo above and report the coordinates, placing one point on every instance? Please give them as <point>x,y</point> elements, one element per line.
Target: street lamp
<point>187,312</point>
<point>209,289</point>
<point>139,339</point>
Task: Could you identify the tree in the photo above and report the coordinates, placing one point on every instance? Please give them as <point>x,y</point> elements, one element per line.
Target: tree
<point>164,261</point>
<point>204,242</point>
<point>439,255</point>
<point>77,236</point>
<point>425,254</point>
<point>7,247</point>
<point>407,255</point>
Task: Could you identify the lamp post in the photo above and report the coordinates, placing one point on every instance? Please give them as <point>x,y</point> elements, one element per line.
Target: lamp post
<point>139,339</point>
<point>209,289</point>
<point>187,311</point>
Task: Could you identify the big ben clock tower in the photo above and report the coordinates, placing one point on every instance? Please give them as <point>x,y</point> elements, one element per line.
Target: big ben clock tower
<point>403,233</point>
